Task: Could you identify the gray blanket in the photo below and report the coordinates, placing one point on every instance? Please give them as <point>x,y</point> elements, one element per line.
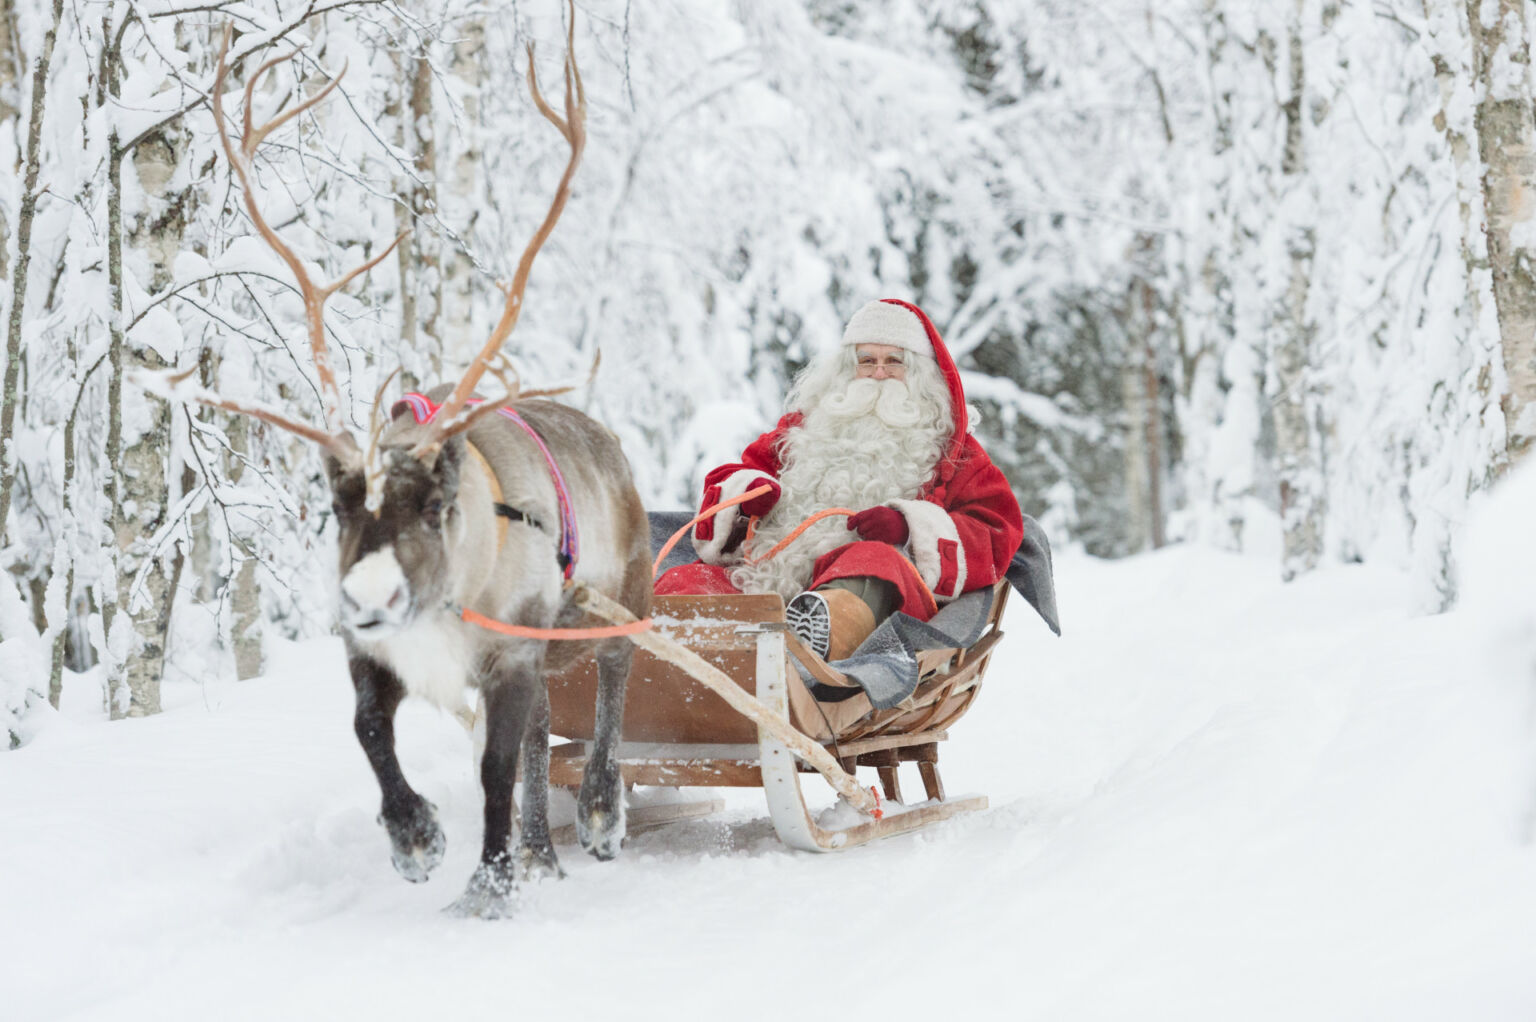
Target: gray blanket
<point>885,666</point>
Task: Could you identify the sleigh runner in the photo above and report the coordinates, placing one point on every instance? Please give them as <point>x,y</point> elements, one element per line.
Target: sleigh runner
<point>765,728</point>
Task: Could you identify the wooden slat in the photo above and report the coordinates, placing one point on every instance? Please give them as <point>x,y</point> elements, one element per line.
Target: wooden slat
<point>667,773</point>
<point>931,660</point>
<point>925,753</point>
<point>847,749</point>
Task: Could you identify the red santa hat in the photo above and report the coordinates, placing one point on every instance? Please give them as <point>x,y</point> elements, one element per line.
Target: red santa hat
<point>903,325</point>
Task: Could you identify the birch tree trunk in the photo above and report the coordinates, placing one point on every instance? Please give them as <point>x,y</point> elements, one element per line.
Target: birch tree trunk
<point>1506,136</point>
<point>1142,394</point>
<point>429,278</point>
<point>64,555</point>
<point>1450,53</point>
<point>10,68</point>
<point>9,397</point>
<point>145,585</point>
<point>405,225</point>
<point>10,118</point>
<point>1301,483</point>
<point>460,193</point>
<point>1152,421</point>
<point>245,590</point>
<point>416,209</point>
<point>1133,394</point>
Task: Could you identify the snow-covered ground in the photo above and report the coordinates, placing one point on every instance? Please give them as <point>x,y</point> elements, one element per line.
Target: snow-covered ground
<point>1216,798</point>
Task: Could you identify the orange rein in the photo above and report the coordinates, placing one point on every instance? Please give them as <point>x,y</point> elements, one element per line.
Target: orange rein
<point>799,530</point>
<point>778,547</point>
<point>696,519</point>
<point>524,632</point>
<point>636,627</point>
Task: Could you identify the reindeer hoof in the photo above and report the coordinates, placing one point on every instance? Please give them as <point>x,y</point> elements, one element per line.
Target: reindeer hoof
<point>416,841</point>
<point>490,893</point>
<point>539,863</point>
<point>600,813</point>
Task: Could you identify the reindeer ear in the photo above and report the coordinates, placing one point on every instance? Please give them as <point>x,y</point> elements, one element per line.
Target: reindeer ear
<point>333,467</point>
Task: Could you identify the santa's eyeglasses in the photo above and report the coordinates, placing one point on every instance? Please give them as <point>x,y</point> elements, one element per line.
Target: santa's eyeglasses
<point>869,365</point>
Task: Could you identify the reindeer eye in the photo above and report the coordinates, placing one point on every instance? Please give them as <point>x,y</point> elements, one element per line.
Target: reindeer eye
<point>432,513</point>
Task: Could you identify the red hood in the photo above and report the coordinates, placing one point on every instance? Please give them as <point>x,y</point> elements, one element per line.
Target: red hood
<point>951,380</point>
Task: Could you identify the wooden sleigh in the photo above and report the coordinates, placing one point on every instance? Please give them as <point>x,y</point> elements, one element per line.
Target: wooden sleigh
<point>714,700</point>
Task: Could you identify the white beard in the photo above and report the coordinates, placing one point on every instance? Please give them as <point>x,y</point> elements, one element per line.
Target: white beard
<point>869,443</point>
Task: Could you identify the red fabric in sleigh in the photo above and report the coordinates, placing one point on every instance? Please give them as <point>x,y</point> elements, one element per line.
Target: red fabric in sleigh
<point>855,560</point>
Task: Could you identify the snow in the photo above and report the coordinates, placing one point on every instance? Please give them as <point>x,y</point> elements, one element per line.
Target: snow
<point>1218,795</point>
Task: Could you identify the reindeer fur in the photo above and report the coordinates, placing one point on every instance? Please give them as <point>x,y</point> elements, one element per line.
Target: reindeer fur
<point>402,579</point>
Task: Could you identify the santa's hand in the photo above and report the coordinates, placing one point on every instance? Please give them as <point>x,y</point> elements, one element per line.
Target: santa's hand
<point>717,537</point>
<point>763,503</point>
<point>880,525</point>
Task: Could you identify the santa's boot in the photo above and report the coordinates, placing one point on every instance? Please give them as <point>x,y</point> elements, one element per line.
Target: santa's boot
<point>832,622</point>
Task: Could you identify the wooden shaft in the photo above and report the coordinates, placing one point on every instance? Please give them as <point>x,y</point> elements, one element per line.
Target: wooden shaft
<point>673,652</point>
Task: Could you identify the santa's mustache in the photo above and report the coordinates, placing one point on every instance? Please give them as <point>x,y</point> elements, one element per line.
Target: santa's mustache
<point>888,400</point>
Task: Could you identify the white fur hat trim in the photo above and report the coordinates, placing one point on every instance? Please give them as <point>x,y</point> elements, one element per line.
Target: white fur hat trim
<point>884,323</point>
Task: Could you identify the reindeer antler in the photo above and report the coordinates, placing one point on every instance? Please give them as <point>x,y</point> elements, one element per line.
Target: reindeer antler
<point>573,127</point>
<point>335,436</point>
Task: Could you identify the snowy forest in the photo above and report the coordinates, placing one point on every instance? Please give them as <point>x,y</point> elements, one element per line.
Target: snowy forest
<point>1240,273</point>
<point>1243,293</point>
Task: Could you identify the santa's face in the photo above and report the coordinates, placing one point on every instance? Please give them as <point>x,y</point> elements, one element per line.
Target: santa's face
<point>864,441</point>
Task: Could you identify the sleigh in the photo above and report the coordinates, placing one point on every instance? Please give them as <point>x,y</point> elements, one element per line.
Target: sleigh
<point>723,694</point>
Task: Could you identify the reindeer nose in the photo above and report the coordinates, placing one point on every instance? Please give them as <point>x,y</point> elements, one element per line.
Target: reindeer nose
<point>375,591</point>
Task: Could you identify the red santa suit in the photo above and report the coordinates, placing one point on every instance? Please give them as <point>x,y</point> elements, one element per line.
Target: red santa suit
<point>964,525</point>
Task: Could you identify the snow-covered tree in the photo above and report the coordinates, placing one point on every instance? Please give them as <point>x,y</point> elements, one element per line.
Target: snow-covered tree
<point>1213,271</point>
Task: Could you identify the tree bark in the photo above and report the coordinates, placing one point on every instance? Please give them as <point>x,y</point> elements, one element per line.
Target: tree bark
<point>245,588</point>
<point>1506,140</point>
<point>405,252</point>
<point>1301,483</point>
<point>460,194</point>
<point>419,254</point>
<point>10,395</point>
<point>1450,46</point>
<point>114,652</point>
<point>10,67</point>
<point>65,555</point>
<point>245,602</point>
<point>10,116</point>
<point>141,495</point>
<point>1152,423</point>
<point>429,278</point>
<point>1138,519</point>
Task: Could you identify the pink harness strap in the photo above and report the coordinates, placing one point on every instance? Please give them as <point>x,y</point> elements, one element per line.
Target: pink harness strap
<point>423,409</point>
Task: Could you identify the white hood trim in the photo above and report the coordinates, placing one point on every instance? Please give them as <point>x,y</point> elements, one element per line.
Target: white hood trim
<point>928,524</point>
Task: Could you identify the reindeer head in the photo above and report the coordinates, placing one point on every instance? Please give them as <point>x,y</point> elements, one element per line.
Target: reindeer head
<point>396,502</point>
<point>396,560</point>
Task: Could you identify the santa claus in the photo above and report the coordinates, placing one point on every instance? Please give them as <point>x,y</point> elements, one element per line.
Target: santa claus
<point>878,425</point>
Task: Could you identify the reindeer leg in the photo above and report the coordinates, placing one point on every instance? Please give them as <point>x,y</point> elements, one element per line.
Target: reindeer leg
<point>509,700</point>
<point>536,852</point>
<point>415,837</point>
<point>600,806</point>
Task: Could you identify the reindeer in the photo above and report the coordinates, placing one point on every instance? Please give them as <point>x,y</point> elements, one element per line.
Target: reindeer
<point>461,514</point>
